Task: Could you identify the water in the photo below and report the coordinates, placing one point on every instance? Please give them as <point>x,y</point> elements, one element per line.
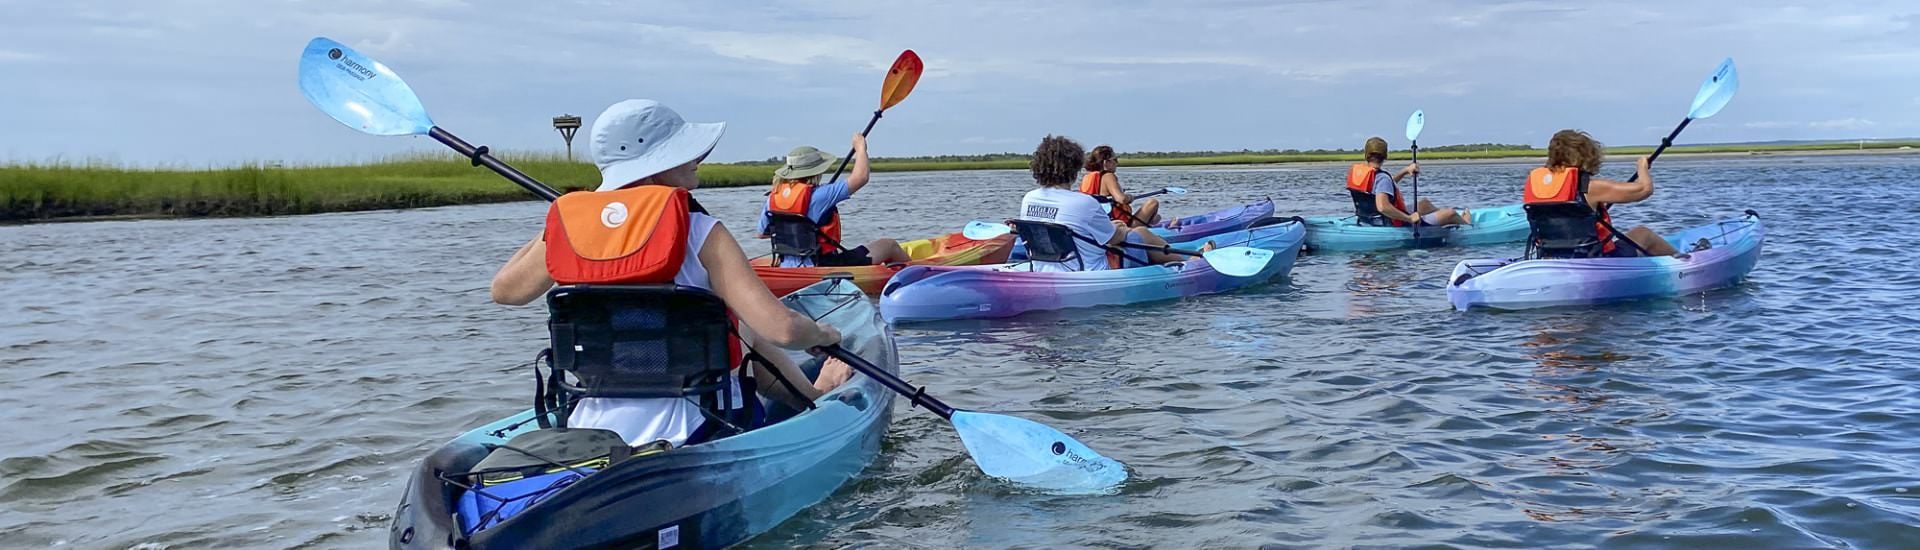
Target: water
<point>270,382</point>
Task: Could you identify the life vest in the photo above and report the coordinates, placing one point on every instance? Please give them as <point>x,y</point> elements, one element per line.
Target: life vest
<point>1360,186</point>
<point>636,235</point>
<point>1566,188</point>
<point>1091,185</point>
<point>796,197</point>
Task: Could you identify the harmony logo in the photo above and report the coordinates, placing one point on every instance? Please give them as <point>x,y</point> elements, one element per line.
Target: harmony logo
<point>334,54</point>
<point>358,71</point>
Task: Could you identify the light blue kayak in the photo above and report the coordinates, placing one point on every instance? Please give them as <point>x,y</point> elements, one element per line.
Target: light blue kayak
<point>711,494</point>
<point>1733,249</point>
<point>1495,225</point>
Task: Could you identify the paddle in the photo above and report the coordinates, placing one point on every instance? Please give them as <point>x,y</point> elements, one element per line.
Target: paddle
<point>366,96</point>
<point>1416,123</point>
<point>1715,92</point>
<point>900,80</point>
<point>1106,202</point>
<point>1232,261</point>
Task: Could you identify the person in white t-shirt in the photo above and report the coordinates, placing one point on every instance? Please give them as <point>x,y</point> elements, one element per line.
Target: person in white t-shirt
<point>1055,166</point>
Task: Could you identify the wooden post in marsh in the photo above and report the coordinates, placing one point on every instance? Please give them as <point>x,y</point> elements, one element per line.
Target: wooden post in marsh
<point>567,125</point>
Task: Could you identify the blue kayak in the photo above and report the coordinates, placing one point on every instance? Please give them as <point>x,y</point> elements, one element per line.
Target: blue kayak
<point>1496,225</point>
<point>712,494</point>
<point>1713,256</point>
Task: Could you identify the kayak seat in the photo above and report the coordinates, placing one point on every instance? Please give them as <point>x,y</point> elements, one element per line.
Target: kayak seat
<point>1047,241</point>
<point>636,341</point>
<point>1563,230</point>
<point>1364,211</point>
<point>793,235</point>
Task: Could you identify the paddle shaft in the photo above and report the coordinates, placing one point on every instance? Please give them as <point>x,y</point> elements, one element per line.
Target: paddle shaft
<point>1416,192</point>
<point>481,157</point>
<point>850,152</point>
<point>891,381</point>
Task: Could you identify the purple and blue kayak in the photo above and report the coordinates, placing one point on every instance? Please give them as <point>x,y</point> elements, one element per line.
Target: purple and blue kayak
<point>1528,284</point>
<point>930,293</point>
<point>1195,228</point>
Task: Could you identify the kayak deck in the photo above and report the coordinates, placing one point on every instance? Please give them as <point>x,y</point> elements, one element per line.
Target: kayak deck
<point>1514,284</point>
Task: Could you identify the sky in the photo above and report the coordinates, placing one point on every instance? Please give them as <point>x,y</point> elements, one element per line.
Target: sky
<point>199,83</point>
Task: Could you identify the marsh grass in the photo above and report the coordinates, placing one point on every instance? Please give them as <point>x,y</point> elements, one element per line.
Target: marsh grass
<point>43,191</point>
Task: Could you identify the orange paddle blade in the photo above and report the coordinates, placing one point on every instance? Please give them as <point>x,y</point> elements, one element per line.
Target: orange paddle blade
<point>900,79</point>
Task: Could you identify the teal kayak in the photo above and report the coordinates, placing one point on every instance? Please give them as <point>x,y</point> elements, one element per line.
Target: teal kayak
<point>1495,225</point>
<point>712,494</point>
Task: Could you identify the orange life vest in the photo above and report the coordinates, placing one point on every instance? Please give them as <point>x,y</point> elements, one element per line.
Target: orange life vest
<point>1567,186</point>
<point>796,197</point>
<point>1091,185</point>
<point>636,235</point>
<point>1360,186</point>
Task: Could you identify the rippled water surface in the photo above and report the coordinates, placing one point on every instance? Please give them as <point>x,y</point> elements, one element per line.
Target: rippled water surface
<point>269,382</point>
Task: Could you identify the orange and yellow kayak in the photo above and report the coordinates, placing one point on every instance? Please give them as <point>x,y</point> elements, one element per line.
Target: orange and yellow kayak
<point>951,249</point>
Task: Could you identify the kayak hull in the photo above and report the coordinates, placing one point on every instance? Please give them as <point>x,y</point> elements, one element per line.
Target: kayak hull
<point>1530,284</point>
<point>984,292</point>
<point>1194,228</point>
<point>711,494</point>
<point>951,249</point>
<point>1494,225</point>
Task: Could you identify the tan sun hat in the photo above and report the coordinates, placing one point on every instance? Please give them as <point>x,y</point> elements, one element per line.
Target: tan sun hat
<point>805,162</point>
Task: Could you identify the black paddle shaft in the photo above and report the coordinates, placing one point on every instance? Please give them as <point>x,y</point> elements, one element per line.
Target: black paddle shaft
<point>1664,144</point>
<point>888,379</point>
<point>481,157</point>
<point>1416,192</point>
<point>849,157</point>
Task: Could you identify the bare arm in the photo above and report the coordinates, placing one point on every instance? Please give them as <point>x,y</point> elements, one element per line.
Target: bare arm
<point>1387,209</point>
<point>524,277</point>
<point>862,169</point>
<point>1413,168</point>
<point>750,300</point>
<point>1111,184</point>
<point>1602,192</point>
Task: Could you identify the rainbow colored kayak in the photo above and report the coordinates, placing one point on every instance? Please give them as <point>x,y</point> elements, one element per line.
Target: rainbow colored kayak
<point>1496,225</point>
<point>1527,284</point>
<point>1194,228</point>
<point>952,249</point>
<point>937,293</point>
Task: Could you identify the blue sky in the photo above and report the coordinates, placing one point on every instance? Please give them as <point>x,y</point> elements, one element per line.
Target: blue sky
<point>203,82</point>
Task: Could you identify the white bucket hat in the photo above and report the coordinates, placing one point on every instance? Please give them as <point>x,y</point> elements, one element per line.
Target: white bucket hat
<point>637,138</point>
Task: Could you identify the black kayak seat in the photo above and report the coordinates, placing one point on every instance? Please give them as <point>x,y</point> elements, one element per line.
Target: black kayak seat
<point>793,235</point>
<point>1563,230</point>
<point>636,341</point>
<point>1048,241</point>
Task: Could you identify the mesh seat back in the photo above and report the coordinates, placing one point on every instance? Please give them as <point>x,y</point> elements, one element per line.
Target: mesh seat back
<point>1047,241</point>
<point>640,341</point>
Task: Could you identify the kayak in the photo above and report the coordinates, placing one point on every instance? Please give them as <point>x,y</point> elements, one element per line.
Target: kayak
<point>978,292</point>
<point>1526,284</point>
<point>952,249</point>
<point>1194,228</point>
<point>710,494</point>
<point>1496,225</point>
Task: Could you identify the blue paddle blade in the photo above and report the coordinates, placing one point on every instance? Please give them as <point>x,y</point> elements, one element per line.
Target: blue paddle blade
<point>1238,261</point>
<point>1177,190</point>
<point>1416,123</point>
<point>981,230</point>
<point>1716,91</point>
<point>360,92</point>
<point>1031,454</point>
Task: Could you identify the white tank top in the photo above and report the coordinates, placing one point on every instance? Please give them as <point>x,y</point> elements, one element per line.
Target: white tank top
<point>645,420</point>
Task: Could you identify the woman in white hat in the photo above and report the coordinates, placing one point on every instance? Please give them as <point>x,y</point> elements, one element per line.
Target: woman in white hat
<point>639,142</point>
<point>798,193</point>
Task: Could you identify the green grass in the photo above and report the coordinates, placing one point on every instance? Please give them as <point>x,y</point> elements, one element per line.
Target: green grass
<point>66,190</point>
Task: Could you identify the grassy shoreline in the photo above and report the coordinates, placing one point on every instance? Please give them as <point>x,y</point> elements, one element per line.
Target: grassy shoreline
<point>54,192</point>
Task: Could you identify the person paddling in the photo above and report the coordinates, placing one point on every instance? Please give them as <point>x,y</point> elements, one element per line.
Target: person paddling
<point>802,216</point>
<point>1055,165</point>
<point>1569,208</point>
<point>649,159</point>
<point>1101,181</point>
<point>1377,200</point>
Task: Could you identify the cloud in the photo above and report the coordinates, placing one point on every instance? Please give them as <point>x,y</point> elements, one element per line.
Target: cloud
<point>13,56</point>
